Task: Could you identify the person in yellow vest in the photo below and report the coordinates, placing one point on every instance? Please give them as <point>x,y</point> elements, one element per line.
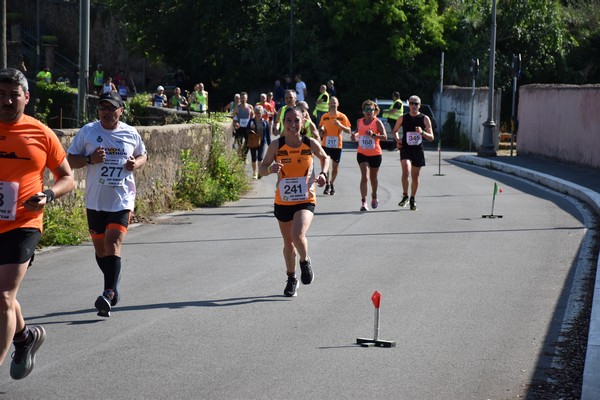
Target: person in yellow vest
<point>98,80</point>
<point>322,103</point>
<point>395,111</point>
<point>309,129</point>
<point>332,125</point>
<point>290,101</point>
<point>44,75</point>
<point>292,158</point>
<point>199,99</point>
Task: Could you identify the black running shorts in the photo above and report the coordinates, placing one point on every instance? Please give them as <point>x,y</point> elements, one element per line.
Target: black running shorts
<point>100,221</point>
<point>334,154</point>
<point>18,246</point>
<point>416,155</point>
<point>286,213</point>
<point>374,161</point>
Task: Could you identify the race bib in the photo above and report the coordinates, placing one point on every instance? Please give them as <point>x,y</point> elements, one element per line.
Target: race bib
<point>366,142</point>
<point>244,122</point>
<point>293,189</point>
<point>414,138</point>
<point>9,193</point>
<point>331,142</point>
<point>113,172</point>
<point>158,103</point>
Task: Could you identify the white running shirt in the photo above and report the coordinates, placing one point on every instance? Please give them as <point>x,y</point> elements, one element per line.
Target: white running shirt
<point>109,186</point>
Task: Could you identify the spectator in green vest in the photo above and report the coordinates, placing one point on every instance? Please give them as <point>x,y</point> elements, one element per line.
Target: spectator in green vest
<point>322,104</point>
<point>44,75</point>
<point>199,99</point>
<point>98,79</point>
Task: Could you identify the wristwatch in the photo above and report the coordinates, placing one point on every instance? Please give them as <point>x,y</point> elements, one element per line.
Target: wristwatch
<point>88,160</point>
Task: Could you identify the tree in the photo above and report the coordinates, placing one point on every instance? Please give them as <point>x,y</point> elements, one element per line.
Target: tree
<point>370,47</point>
<point>536,29</point>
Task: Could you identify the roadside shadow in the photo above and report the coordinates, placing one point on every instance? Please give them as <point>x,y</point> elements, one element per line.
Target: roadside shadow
<point>235,301</point>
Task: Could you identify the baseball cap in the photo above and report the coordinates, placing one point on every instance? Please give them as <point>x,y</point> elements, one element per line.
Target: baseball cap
<point>112,98</point>
<point>158,89</point>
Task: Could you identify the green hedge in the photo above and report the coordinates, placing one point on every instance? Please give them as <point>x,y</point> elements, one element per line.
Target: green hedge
<point>50,99</point>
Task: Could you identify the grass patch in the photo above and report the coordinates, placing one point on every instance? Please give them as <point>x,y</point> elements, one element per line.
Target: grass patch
<point>222,179</point>
<point>65,221</point>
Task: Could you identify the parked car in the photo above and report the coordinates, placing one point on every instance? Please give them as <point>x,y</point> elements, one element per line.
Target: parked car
<point>384,104</point>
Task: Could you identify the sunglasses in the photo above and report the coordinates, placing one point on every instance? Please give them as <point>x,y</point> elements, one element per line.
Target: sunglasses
<point>107,108</point>
<point>413,103</point>
<point>368,109</point>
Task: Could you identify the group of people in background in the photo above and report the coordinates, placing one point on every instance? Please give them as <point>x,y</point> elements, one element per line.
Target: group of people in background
<point>327,124</point>
<point>196,101</point>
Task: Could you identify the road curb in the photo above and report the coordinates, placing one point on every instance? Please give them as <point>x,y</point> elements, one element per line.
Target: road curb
<point>591,373</point>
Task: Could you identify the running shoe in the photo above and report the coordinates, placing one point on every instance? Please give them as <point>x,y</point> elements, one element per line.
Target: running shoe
<point>307,275</point>
<point>403,201</point>
<point>23,359</point>
<point>327,189</point>
<point>332,191</point>
<point>374,203</point>
<point>413,206</point>
<point>363,206</point>
<point>115,300</point>
<point>102,304</point>
<point>290,287</point>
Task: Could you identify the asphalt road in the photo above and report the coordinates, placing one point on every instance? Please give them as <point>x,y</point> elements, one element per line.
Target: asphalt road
<point>473,304</point>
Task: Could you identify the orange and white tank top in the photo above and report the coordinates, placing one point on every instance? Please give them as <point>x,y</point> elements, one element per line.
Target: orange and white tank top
<point>368,145</point>
<point>296,183</point>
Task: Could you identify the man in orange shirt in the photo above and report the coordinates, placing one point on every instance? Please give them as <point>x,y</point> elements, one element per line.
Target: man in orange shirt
<point>27,148</point>
<point>331,126</point>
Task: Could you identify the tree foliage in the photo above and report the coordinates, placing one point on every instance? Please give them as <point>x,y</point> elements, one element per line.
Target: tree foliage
<point>369,47</point>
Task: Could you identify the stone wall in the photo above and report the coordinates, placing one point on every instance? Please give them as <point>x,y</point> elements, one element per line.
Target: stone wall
<point>460,100</point>
<point>156,180</point>
<point>560,122</point>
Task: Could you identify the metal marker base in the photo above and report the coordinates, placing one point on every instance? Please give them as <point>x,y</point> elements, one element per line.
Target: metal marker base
<point>376,343</point>
<point>491,216</point>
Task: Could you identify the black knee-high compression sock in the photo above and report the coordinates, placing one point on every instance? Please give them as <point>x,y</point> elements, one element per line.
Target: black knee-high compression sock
<point>101,263</point>
<point>112,265</point>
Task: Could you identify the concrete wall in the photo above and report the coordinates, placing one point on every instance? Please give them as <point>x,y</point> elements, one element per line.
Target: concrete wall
<point>458,100</point>
<point>156,180</point>
<point>560,122</point>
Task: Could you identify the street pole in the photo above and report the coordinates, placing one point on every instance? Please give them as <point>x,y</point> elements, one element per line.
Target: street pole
<point>474,72</point>
<point>516,66</point>
<point>440,99</point>
<point>487,148</point>
<point>38,38</point>
<point>84,59</point>
<point>4,51</point>
<point>291,37</point>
